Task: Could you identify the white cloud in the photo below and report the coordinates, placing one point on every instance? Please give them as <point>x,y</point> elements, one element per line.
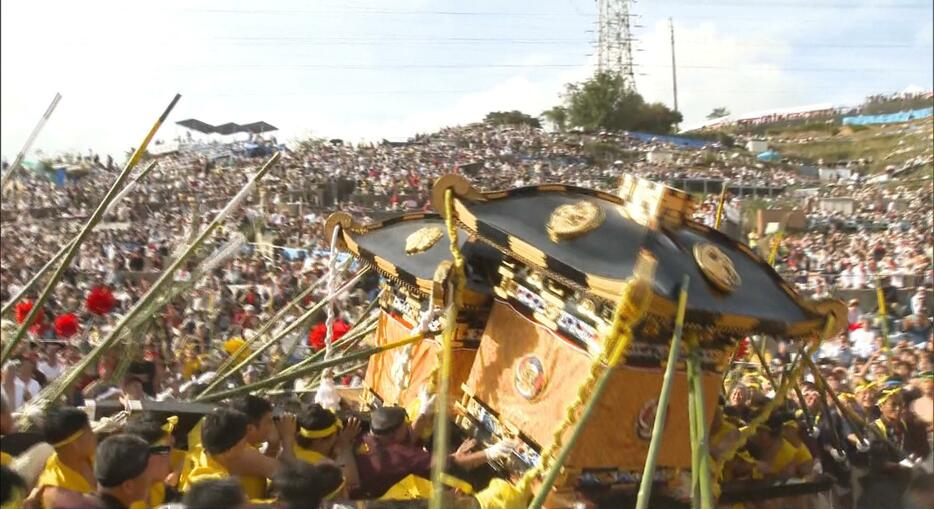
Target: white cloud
<point>715,69</point>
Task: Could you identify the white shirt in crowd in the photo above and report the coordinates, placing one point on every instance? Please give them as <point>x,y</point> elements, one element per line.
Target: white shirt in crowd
<point>21,390</point>
<point>50,372</point>
<point>863,341</point>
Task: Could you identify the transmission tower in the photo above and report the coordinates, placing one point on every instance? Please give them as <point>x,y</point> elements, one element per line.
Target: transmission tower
<point>614,40</point>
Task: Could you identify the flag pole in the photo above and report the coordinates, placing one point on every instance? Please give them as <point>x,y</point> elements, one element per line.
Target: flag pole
<point>86,231</point>
<point>7,177</point>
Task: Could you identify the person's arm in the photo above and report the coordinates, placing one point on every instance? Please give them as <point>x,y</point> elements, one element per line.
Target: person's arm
<point>253,463</point>
<point>345,453</point>
<point>287,427</point>
<point>467,460</point>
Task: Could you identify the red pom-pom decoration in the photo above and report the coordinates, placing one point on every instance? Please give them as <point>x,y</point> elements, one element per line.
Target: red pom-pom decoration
<point>22,311</point>
<point>100,300</point>
<point>318,333</point>
<point>66,325</point>
<point>742,350</point>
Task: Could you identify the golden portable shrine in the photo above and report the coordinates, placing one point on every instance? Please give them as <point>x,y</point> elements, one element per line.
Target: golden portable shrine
<point>548,270</point>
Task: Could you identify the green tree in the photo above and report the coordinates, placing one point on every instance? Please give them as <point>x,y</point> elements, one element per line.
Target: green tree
<point>718,112</point>
<point>558,116</point>
<point>601,103</point>
<point>512,118</point>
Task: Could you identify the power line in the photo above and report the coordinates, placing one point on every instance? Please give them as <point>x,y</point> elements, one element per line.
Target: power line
<point>532,66</point>
<point>713,3</point>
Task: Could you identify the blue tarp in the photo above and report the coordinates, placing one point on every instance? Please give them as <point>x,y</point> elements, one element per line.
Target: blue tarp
<point>769,156</point>
<point>673,140</point>
<point>890,118</point>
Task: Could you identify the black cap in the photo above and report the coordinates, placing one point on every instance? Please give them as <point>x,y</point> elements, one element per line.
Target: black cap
<point>386,419</point>
<point>120,458</point>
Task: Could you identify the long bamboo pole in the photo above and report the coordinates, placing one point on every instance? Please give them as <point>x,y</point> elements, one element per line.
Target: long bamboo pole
<point>856,423</point>
<point>551,476</point>
<point>359,330</point>
<point>700,421</point>
<point>88,227</point>
<point>884,320</point>
<point>311,368</point>
<point>58,256</point>
<point>720,202</point>
<point>768,373</point>
<point>342,289</point>
<point>8,176</point>
<point>165,279</point>
<point>692,432</point>
<point>342,346</point>
<point>661,412</point>
<point>298,322</point>
<point>268,325</point>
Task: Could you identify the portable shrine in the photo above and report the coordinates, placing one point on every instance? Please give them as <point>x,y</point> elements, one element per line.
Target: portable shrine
<point>412,254</point>
<point>567,254</point>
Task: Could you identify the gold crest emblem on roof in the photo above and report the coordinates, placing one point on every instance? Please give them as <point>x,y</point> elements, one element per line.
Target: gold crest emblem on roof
<point>573,220</point>
<point>422,240</point>
<point>717,267</point>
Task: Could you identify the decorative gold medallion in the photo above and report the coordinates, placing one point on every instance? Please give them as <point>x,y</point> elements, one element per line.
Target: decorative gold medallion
<point>529,377</point>
<point>717,267</point>
<point>422,240</point>
<point>573,220</point>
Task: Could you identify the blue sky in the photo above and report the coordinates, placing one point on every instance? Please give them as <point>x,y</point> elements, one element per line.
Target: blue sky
<point>370,69</point>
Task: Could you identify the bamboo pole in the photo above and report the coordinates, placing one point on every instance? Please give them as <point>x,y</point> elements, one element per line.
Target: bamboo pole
<point>165,279</point>
<point>88,227</point>
<point>359,331</point>
<point>8,176</point>
<point>692,431</point>
<point>278,336</point>
<point>222,369</point>
<point>342,289</point>
<point>343,372</point>
<point>721,201</point>
<point>58,256</point>
<point>855,422</point>
<point>311,368</point>
<point>884,320</point>
<point>661,412</point>
<point>795,386</point>
<point>343,346</point>
<point>440,449</point>
<point>701,449</point>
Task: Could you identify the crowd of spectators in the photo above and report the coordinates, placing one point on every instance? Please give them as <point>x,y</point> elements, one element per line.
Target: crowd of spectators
<point>890,235</point>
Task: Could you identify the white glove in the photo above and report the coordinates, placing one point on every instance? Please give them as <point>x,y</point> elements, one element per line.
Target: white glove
<point>907,463</point>
<point>862,445</point>
<point>327,395</point>
<point>815,432</point>
<point>501,449</point>
<point>838,455</point>
<point>426,404</point>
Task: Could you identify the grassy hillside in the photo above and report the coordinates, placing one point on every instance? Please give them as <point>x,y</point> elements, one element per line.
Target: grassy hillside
<point>886,145</point>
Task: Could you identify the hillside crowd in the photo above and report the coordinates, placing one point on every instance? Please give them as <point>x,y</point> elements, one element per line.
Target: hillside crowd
<point>881,367</point>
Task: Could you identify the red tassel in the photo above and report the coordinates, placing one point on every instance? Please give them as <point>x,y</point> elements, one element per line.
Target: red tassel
<point>22,311</point>
<point>66,325</point>
<point>742,350</point>
<point>318,334</point>
<point>100,300</point>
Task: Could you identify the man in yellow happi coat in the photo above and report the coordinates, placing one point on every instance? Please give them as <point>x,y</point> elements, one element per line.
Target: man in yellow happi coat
<point>68,477</point>
<point>166,461</point>
<point>224,451</point>
<point>321,436</point>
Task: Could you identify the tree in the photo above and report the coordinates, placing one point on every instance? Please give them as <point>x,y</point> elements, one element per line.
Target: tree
<point>558,116</point>
<point>718,112</point>
<point>601,103</point>
<point>511,118</point>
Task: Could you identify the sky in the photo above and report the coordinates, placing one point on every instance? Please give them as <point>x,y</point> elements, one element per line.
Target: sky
<point>368,70</point>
